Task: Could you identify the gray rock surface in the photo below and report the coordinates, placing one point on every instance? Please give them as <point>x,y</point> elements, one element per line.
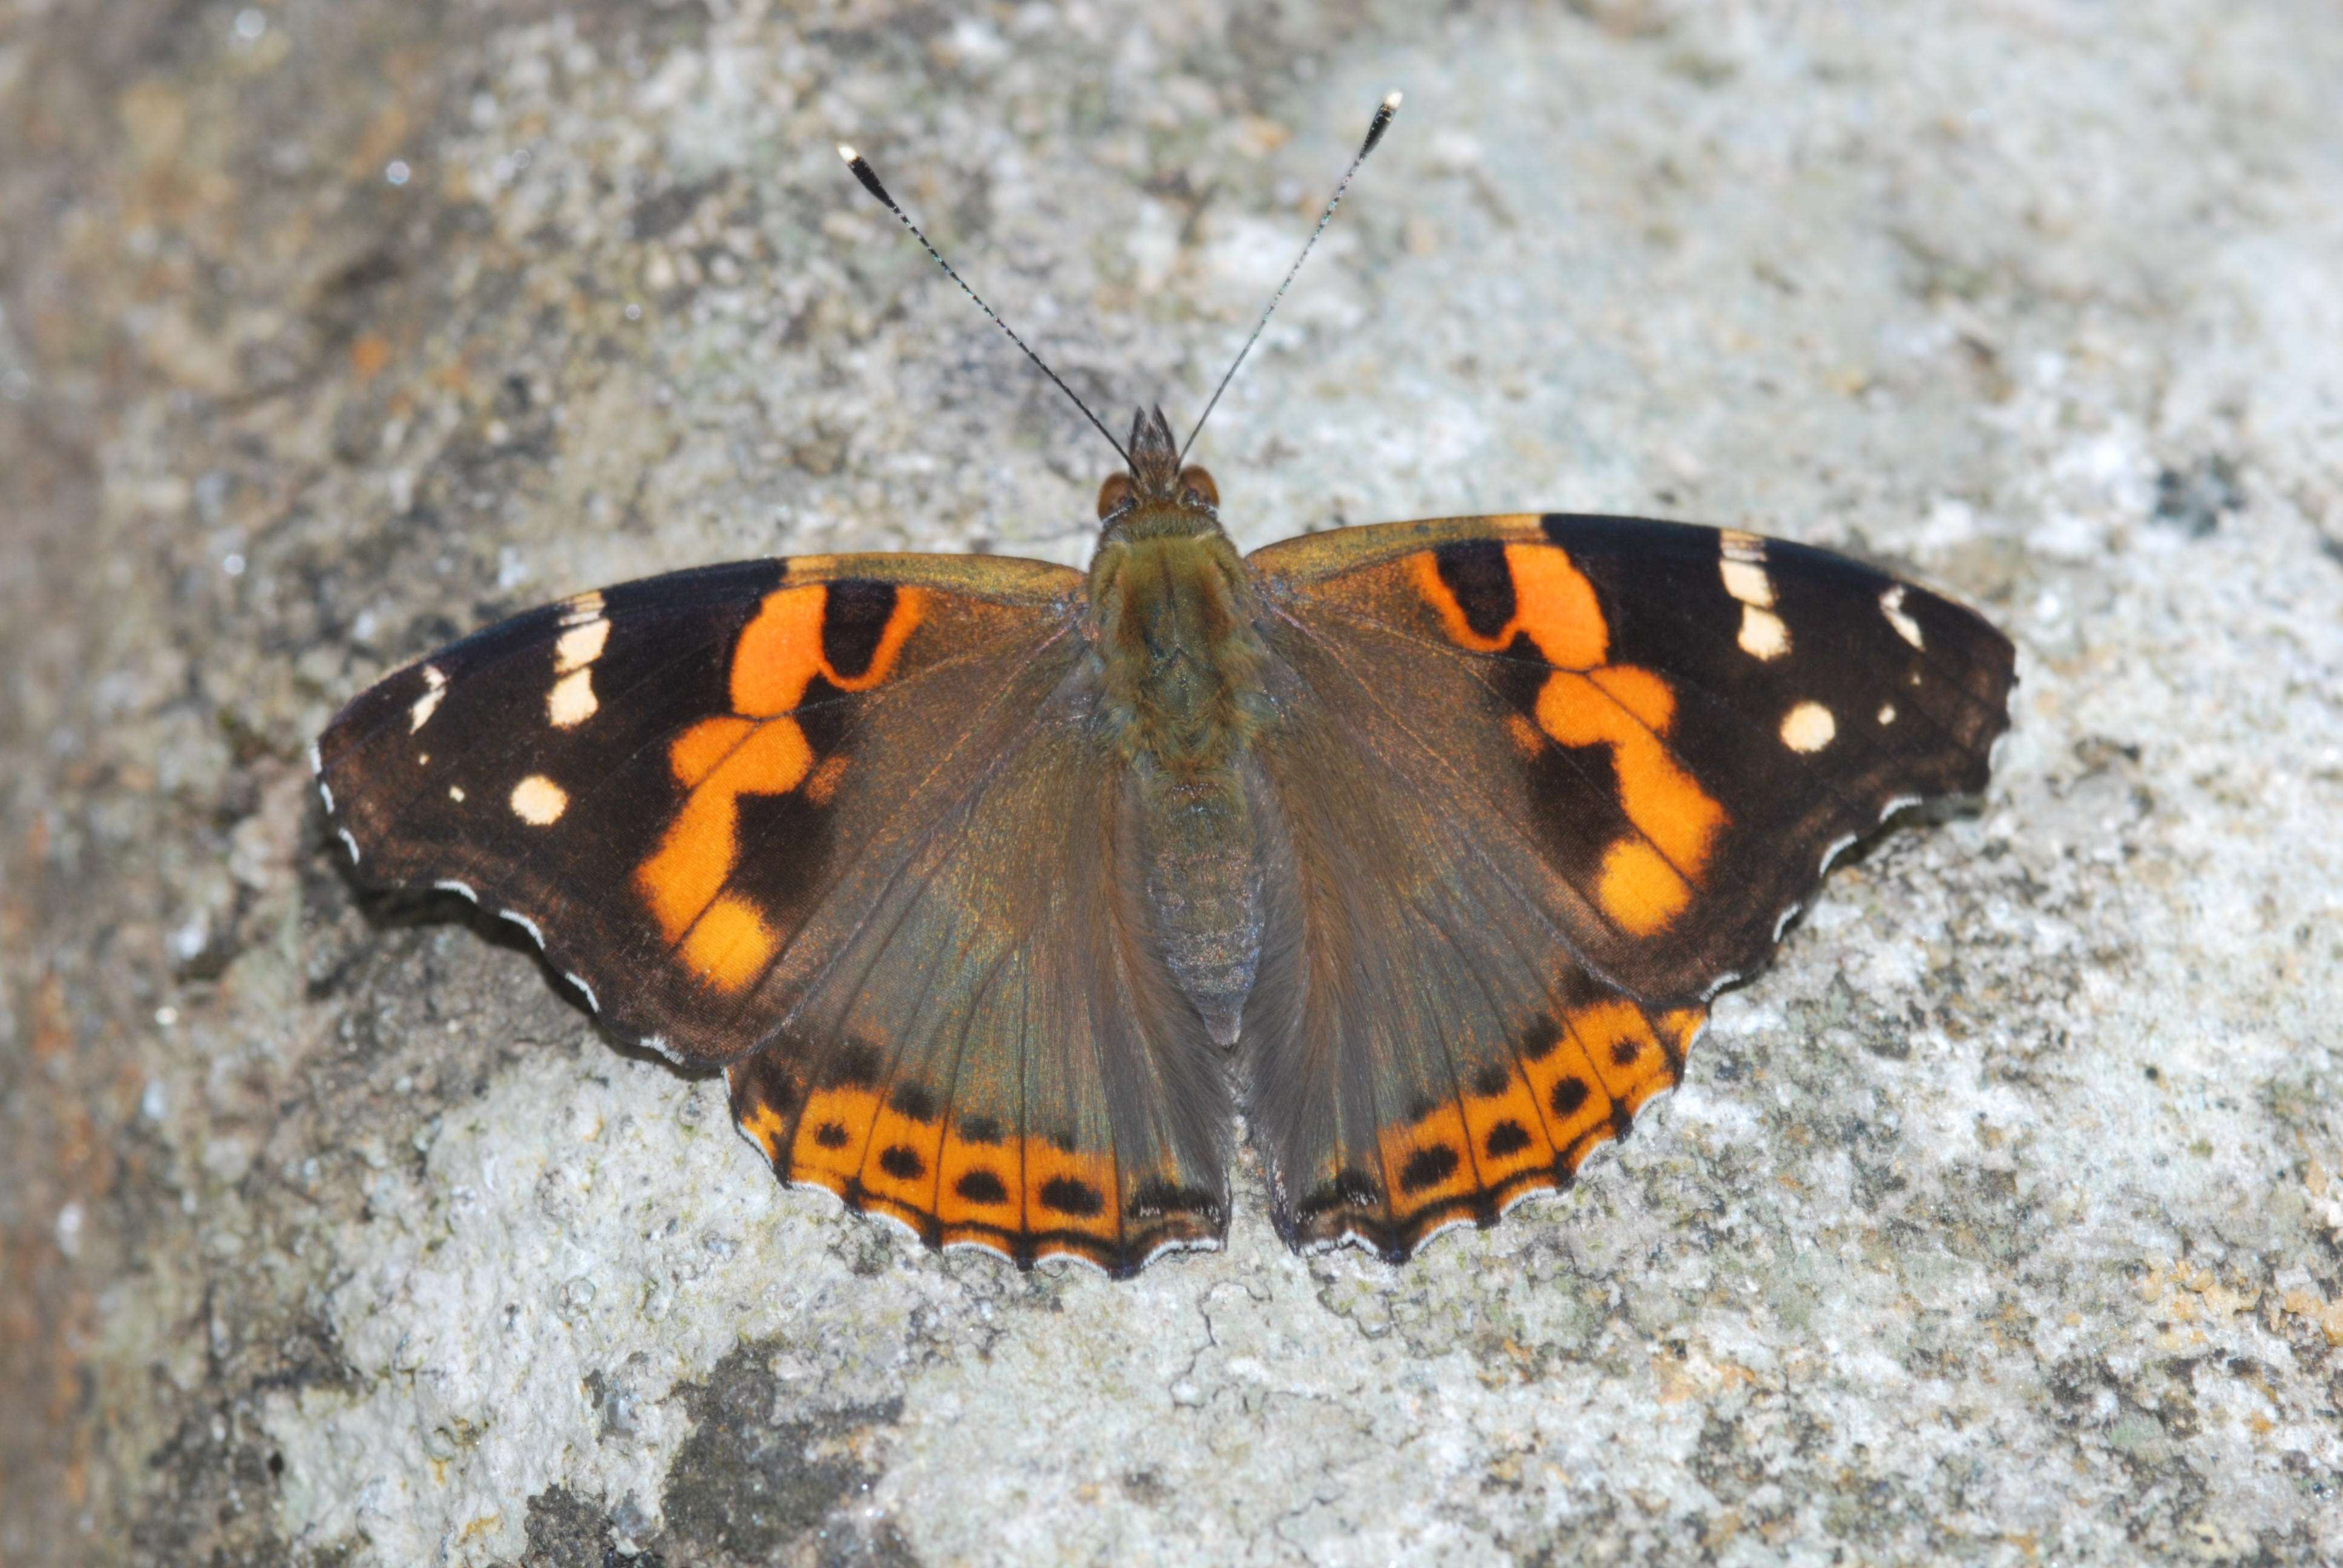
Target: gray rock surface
<point>2002,1219</point>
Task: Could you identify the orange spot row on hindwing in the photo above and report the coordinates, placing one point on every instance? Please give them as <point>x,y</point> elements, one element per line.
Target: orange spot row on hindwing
<point>757,749</point>
<point>833,1131</point>
<point>1618,1039</point>
<point>1426,1164</point>
<point>1555,1103</point>
<point>942,1183</point>
<point>978,1188</point>
<point>1645,877</point>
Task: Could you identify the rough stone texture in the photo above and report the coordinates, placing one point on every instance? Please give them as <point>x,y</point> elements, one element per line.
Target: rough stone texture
<point>2001,1219</point>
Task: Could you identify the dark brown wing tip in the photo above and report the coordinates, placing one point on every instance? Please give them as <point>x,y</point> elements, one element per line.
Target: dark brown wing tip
<point>368,868</point>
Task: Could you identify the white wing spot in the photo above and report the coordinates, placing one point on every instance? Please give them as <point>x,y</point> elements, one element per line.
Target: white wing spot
<point>525,923</point>
<point>1886,713</point>
<point>448,885</point>
<point>1746,581</point>
<point>571,701</point>
<point>350,844</point>
<point>1808,727</point>
<point>456,793</point>
<point>1762,635</point>
<point>326,791</point>
<point>581,646</point>
<point>585,989</point>
<point>435,687</point>
<point>1741,566</point>
<point>316,759</point>
<point>539,802</point>
<point>1891,604</point>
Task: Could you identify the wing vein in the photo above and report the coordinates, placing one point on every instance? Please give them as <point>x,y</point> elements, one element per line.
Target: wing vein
<point>912,848</point>
<point>1436,811</point>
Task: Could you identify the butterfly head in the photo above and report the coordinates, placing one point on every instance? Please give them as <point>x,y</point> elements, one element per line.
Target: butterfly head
<point>1157,495</point>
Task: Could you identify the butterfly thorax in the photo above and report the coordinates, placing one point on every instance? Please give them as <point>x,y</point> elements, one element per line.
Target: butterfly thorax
<point>1172,612</point>
<point>1179,658</point>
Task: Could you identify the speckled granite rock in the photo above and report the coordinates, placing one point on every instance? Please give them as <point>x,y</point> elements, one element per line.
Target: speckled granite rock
<point>2001,1219</point>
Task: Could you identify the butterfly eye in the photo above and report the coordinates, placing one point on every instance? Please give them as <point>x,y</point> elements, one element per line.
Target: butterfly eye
<point>1114,495</point>
<point>1199,483</point>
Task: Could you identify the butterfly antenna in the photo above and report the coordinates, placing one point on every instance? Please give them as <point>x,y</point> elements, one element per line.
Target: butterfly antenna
<point>859,166</point>
<point>1384,111</point>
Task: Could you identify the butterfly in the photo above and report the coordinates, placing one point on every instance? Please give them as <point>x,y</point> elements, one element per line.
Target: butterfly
<point>1005,893</point>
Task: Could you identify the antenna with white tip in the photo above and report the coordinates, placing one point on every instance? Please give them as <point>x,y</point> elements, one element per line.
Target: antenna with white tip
<point>861,168</point>
<point>1375,129</point>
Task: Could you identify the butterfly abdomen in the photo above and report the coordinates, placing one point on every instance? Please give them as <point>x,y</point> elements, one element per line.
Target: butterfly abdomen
<point>1181,668</point>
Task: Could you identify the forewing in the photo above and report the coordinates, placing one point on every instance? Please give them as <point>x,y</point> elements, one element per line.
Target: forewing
<point>1677,723</point>
<point>595,769</point>
<point>1546,783</point>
